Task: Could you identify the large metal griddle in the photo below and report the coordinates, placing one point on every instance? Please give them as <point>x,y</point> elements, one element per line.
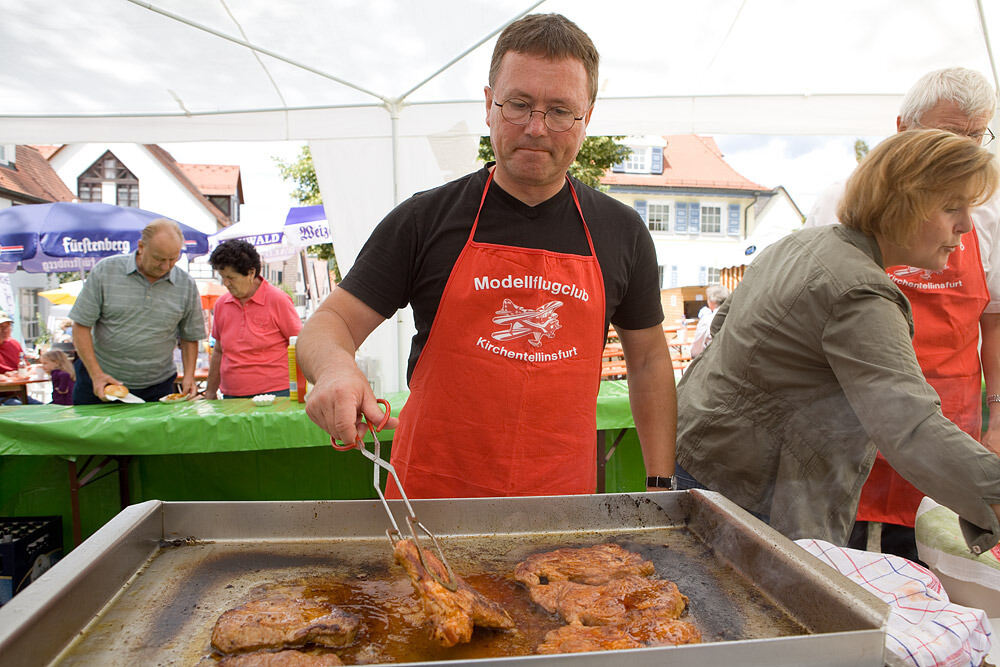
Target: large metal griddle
<point>148,586</point>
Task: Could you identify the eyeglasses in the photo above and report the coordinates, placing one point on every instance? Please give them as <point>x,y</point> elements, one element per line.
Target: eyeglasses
<point>983,138</point>
<point>519,112</point>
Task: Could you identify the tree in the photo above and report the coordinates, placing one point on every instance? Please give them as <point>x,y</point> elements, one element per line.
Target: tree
<point>302,173</point>
<point>860,149</point>
<point>596,155</point>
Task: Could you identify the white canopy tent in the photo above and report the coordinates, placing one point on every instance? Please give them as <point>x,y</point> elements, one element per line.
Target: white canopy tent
<point>388,93</point>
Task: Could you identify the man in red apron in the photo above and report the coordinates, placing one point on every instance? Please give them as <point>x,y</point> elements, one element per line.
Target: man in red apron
<point>949,308</point>
<point>513,273</point>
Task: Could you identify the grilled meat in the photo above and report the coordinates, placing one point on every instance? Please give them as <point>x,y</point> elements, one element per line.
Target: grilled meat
<point>609,603</point>
<point>282,622</point>
<point>588,565</point>
<point>639,629</point>
<point>452,614</point>
<point>287,658</point>
<point>605,594</point>
<point>578,638</point>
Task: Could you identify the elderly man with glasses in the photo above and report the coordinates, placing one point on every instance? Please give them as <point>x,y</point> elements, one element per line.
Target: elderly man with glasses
<point>513,272</point>
<point>950,307</point>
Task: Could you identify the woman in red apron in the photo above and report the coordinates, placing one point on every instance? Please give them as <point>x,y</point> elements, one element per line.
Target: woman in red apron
<point>947,306</point>
<point>503,398</point>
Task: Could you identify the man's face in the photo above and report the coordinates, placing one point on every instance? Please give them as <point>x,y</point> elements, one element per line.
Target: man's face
<point>948,116</point>
<point>156,258</point>
<point>532,155</point>
<point>5,330</point>
<point>239,285</point>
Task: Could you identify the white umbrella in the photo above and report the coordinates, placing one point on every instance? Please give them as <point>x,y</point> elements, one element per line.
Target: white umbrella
<point>278,241</point>
<point>267,236</point>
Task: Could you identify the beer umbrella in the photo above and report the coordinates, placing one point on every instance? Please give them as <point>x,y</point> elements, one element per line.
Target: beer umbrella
<point>73,236</point>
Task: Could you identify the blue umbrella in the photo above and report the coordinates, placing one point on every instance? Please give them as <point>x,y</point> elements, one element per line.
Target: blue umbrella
<point>65,236</point>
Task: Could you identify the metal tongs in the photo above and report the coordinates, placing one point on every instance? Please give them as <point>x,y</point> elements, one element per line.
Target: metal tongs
<point>411,517</point>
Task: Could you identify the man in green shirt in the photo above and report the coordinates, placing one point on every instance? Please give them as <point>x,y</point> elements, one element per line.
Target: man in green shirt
<point>129,316</point>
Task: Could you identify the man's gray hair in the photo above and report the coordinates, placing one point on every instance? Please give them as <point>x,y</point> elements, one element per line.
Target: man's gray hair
<point>159,225</point>
<point>717,294</point>
<point>967,88</point>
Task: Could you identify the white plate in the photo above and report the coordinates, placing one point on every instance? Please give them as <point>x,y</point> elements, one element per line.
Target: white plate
<point>167,399</point>
<point>127,398</point>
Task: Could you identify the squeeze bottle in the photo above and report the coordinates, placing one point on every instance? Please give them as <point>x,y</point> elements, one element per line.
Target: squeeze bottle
<point>293,371</point>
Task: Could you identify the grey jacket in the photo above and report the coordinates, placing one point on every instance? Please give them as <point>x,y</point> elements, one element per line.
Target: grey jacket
<point>810,369</point>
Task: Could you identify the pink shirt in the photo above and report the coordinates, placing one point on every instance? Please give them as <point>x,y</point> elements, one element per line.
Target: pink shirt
<point>254,339</point>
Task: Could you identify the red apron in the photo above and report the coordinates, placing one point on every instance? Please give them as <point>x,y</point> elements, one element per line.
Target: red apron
<point>503,399</point>
<point>947,306</point>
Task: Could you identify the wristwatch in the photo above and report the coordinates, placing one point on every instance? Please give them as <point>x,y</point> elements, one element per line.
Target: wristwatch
<point>660,482</point>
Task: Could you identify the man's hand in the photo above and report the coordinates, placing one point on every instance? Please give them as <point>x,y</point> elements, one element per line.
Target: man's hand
<point>326,348</point>
<point>339,399</point>
<point>189,386</point>
<point>100,381</point>
<point>211,394</point>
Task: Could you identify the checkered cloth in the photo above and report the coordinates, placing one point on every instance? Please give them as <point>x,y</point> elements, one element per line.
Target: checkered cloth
<point>924,628</point>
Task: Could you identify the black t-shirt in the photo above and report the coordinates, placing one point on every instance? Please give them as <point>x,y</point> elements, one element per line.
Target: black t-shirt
<point>410,255</point>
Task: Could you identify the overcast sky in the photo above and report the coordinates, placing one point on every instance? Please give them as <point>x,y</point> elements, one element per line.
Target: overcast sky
<point>805,165</point>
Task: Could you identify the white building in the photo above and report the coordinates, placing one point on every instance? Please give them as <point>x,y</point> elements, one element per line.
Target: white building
<point>700,211</point>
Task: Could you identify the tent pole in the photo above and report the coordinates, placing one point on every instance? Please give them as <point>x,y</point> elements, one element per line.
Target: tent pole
<point>402,349</point>
<point>993,64</point>
<point>305,280</point>
<point>989,47</point>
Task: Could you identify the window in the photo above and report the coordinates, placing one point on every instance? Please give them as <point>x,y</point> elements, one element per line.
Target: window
<point>658,217</point>
<point>8,154</point>
<point>200,270</point>
<point>659,272</point>
<point>714,276</point>
<point>108,169</point>
<point>89,192</point>
<point>221,202</point>
<point>673,275</point>
<point>29,315</point>
<point>711,219</point>
<point>128,195</point>
<point>638,161</point>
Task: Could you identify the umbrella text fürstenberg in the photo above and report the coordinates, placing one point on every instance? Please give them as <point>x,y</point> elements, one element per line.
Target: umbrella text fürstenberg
<point>86,245</point>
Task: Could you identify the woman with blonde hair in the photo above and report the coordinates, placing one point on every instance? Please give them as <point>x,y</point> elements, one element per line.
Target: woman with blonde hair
<point>811,367</point>
<point>60,369</point>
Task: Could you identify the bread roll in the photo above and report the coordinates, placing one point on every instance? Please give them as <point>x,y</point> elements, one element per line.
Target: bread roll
<point>116,390</point>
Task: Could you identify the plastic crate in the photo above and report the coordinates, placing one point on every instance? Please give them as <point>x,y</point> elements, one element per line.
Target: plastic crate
<point>29,545</point>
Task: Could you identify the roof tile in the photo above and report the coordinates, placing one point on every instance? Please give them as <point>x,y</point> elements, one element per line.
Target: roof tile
<point>689,160</point>
<point>33,178</point>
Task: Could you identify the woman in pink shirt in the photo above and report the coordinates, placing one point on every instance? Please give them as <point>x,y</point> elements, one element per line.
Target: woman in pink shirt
<point>251,327</point>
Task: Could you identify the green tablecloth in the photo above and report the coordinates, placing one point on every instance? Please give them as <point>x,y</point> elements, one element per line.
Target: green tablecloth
<point>213,450</point>
<point>200,426</point>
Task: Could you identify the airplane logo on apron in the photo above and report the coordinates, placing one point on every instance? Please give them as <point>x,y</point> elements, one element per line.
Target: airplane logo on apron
<point>527,323</point>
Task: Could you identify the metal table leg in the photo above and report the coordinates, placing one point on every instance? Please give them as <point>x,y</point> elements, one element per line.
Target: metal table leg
<point>603,458</point>
<point>79,478</point>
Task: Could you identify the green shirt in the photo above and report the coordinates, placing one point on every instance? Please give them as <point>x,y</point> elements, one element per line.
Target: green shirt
<point>811,368</point>
<point>135,323</point>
